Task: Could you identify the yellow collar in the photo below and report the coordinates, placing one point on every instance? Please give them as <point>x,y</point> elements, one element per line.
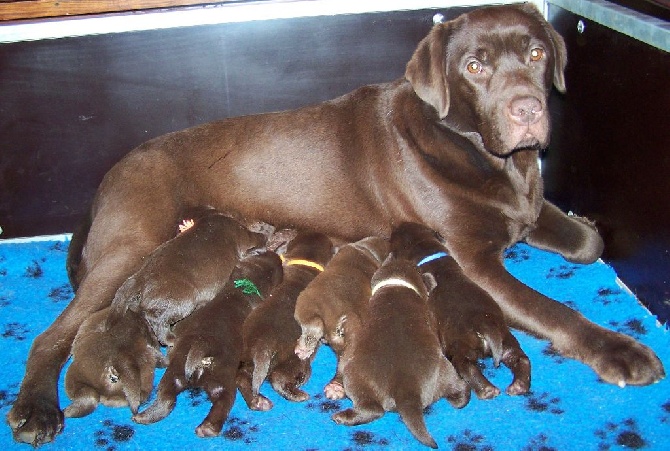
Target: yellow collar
<point>394,281</point>
<point>301,262</point>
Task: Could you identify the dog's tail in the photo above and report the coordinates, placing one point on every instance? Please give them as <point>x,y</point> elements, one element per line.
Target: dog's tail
<point>197,360</point>
<point>411,412</point>
<point>262,361</point>
<point>76,248</point>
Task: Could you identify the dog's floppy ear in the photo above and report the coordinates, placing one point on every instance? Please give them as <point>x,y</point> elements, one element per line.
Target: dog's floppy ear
<point>560,58</point>
<point>557,42</point>
<point>427,69</point>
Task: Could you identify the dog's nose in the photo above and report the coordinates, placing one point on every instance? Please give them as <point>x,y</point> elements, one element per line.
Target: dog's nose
<point>525,110</point>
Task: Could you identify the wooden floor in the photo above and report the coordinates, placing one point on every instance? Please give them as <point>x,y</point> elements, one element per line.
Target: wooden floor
<point>32,9</point>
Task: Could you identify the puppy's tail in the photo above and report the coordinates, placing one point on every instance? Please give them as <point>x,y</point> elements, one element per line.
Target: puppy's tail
<point>262,362</point>
<point>75,249</point>
<point>197,360</point>
<point>411,413</point>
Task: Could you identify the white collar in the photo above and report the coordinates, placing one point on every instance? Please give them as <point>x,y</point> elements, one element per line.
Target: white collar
<point>394,281</point>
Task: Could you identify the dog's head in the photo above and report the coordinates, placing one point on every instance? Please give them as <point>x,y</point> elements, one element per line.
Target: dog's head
<point>488,74</point>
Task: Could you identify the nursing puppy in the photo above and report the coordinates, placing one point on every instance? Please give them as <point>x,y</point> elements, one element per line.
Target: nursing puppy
<point>206,347</point>
<point>471,326</point>
<point>270,332</point>
<point>185,273</point>
<point>111,366</point>
<point>337,296</point>
<point>394,362</point>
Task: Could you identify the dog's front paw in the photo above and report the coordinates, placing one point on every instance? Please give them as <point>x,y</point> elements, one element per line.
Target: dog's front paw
<point>35,419</point>
<point>621,360</point>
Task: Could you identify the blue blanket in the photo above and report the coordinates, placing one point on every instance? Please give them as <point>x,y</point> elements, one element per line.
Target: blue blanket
<point>568,408</point>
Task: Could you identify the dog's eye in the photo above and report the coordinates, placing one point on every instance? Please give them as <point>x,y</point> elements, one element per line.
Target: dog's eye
<point>474,67</point>
<point>536,54</point>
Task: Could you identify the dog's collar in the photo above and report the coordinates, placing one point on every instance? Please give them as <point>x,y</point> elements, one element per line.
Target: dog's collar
<point>246,286</point>
<point>394,282</point>
<point>431,257</point>
<point>301,262</point>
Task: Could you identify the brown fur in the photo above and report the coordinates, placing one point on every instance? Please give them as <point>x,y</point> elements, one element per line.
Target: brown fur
<point>270,332</point>
<point>443,147</point>
<point>394,361</point>
<point>206,347</point>
<point>470,324</point>
<point>336,296</point>
<point>113,366</point>
<point>185,273</point>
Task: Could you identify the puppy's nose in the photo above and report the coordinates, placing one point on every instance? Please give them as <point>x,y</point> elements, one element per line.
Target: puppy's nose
<point>525,110</point>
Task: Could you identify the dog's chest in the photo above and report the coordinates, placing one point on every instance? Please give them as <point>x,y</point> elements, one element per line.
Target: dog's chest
<point>524,193</point>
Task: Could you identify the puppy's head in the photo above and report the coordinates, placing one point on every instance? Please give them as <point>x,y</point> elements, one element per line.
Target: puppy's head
<point>414,241</point>
<point>488,74</point>
<point>312,246</point>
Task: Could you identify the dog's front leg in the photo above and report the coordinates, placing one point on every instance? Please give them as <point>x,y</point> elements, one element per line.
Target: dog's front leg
<point>573,237</point>
<point>615,357</point>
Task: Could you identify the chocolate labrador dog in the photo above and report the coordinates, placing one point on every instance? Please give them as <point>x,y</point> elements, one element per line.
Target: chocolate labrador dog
<point>453,144</point>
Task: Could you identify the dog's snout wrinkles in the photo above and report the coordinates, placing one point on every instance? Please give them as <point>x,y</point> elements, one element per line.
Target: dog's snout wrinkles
<point>526,110</point>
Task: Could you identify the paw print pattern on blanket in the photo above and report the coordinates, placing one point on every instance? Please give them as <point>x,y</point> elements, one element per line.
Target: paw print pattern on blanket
<point>237,429</point>
<point>624,434</point>
<point>112,435</point>
<point>324,405</point>
<point>470,441</point>
<point>543,402</point>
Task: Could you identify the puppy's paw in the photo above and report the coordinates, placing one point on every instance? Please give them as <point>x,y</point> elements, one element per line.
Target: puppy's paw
<point>334,390</point>
<point>35,420</point>
<point>260,403</point>
<point>206,429</point>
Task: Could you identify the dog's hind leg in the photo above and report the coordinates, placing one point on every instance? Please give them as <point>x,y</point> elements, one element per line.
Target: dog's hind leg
<point>364,411</point>
<point>222,398</point>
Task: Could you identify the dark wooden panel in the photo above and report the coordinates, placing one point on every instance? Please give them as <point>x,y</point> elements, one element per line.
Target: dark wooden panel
<point>72,107</point>
<point>609,156</point>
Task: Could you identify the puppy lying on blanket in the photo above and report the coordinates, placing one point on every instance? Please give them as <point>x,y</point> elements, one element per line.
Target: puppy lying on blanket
<point>206,347</point>
<point>113,366</point>
<point>270,332</point>
<point>336,296</point>
<point>186,272</point>
<point>470,324</point>
<point>394,362</point>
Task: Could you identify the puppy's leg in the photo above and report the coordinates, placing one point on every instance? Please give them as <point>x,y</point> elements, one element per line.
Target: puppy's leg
<point>517,361</point>
<point>84,402</point>
<point>172,383</point>
<point>312,332</point>
<point>254,400</point>
<point>464,357</point>
<point>364,411</point>
<point>288,376</point>
<point>222,397</point>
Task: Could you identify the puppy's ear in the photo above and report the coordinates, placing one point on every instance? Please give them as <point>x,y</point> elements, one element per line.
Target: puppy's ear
<point>427,69</point>
<point>429,281</point>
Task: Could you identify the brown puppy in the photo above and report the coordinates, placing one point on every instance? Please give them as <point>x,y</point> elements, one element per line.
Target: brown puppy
<point>112,366</point>
<point>206,347</point>
<point>394,361</point>
<point>470,324</point>
<point>270,331</point>
<point>453,144</point>
<point>186,272</point>
<point>337,296</point>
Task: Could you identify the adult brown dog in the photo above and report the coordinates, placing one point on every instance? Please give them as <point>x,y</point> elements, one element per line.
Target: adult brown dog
<point>453,145</point>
